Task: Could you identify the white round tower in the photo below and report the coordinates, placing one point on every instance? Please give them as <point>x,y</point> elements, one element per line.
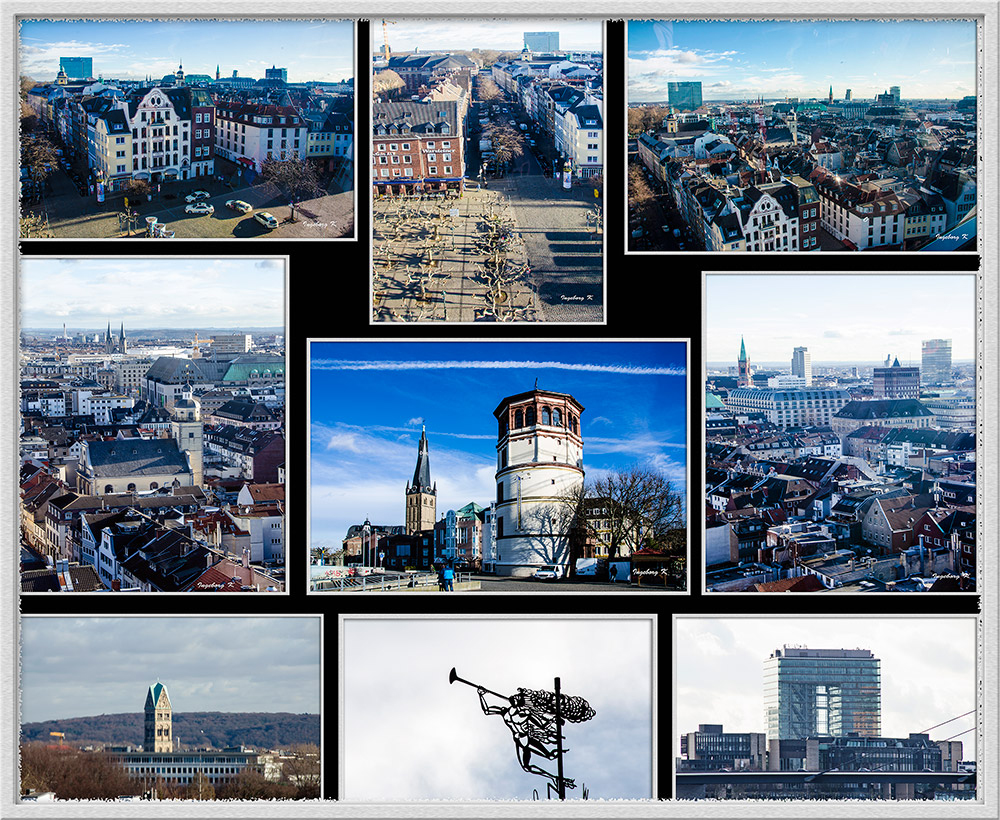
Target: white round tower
<point>539,470</point>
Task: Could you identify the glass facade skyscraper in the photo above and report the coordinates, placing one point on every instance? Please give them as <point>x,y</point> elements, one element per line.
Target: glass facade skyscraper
<point>822,693</point>
<point>684,96</point>
<point>77,68</point>
<point>935,361</point>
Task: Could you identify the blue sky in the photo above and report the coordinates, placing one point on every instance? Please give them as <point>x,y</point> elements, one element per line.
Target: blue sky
<point>132,49</point>
<point>779,58</point>
<point>368,401</point>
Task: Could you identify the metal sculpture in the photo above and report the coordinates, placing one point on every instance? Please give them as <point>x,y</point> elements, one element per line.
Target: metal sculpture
<point>535,718</point>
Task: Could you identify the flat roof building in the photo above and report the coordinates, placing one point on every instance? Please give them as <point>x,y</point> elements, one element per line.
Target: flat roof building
<point>822,692</point>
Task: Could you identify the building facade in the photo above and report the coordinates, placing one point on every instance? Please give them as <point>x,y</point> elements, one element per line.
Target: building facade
<point>158,719</point>
<point>822,692</point>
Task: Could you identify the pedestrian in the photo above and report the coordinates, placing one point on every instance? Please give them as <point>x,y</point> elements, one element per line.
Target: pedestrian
<point>449,579</point>
<point>441,579</point>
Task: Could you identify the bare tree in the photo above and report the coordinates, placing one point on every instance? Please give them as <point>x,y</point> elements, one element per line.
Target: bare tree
<point>387,83</point>
<point>488,90</point>
<point>630,509</point>
<point>640,195</point>
<point>507,144</point>
<point>38,155</point>
<point>295,178</point>
<point>645,118</point>
<point>72,774</point>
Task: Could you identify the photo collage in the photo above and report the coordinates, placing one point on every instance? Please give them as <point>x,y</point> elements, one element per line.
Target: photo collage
<point>581,211</point>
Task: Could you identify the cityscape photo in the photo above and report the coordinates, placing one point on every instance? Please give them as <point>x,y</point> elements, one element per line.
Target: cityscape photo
<point>498,467</point>
<point>826,708</point>
<point>828,467</point>
<point>153,429</point>
<point>802,135</point>
<point>487,171</point>
<point>201,129</point>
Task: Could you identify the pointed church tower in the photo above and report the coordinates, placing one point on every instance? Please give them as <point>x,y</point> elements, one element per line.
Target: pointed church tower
<point>158,720</point>
<point>122,342</point>
<point>421,495</point>
<point>744,371</point>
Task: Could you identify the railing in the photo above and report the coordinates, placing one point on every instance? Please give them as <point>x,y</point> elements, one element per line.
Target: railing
<point>384,583</point>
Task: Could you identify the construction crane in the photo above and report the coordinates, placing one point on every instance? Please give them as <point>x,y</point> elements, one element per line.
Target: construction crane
<point>60,735</point>
<point>385,38</point>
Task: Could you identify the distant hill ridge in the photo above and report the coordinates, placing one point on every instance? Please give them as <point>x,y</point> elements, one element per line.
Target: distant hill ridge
<point>259,730</point>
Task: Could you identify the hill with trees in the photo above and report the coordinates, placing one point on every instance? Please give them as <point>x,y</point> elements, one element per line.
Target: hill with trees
<point>192,730</point>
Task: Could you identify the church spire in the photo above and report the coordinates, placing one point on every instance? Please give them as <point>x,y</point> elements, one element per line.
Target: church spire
<point>422,472</point>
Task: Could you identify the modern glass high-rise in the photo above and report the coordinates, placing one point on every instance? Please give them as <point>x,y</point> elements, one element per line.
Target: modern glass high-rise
<point>541,42</point>
<point>77,68</point>
<point>684,96</point>
<point>935,361</point>
<point>822,693</point>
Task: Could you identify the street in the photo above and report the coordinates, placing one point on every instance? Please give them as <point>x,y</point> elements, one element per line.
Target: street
<point>74,216</point>
<point>559,227</point>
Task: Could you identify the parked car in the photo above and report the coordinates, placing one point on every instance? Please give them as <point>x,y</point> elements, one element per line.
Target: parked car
<point>200,208</point>
<point>194,196</point>
<point>265,219</point>
<point>239,205</point>
<point>549,572</point>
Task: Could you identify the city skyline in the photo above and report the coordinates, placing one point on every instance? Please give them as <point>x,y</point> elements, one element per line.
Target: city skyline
<point>928,669</point>
<point>453,750</point>
<point>744,60</point>
<point>463,34</point>
<point>363,452</point>
<point>84,666</point>
<point>315,49</point>
<point>234,292</point>
<point>775,313</point>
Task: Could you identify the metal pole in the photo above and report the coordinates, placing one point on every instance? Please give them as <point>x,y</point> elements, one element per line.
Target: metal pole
<point>559,748</point>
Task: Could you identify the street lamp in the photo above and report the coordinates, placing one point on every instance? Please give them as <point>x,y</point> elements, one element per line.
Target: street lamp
<point>365,543</point>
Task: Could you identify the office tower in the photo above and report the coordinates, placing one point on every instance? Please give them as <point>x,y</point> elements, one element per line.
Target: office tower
<point>896,382</point>
<point>935,362</point>
<point>822,693</point>
<point>684,96</point>
<point>77,68</point>
<point>894,91</point>
<point>541,42</point>
<point>802,364</point>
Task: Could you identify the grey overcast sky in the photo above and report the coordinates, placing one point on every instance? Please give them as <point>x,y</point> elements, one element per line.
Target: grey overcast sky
<point>409,735</point>
<point>144,292</point>
<point>77,667</point>
<point>839,317</point>
<point>465,34</point>
<point>928,669</point>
